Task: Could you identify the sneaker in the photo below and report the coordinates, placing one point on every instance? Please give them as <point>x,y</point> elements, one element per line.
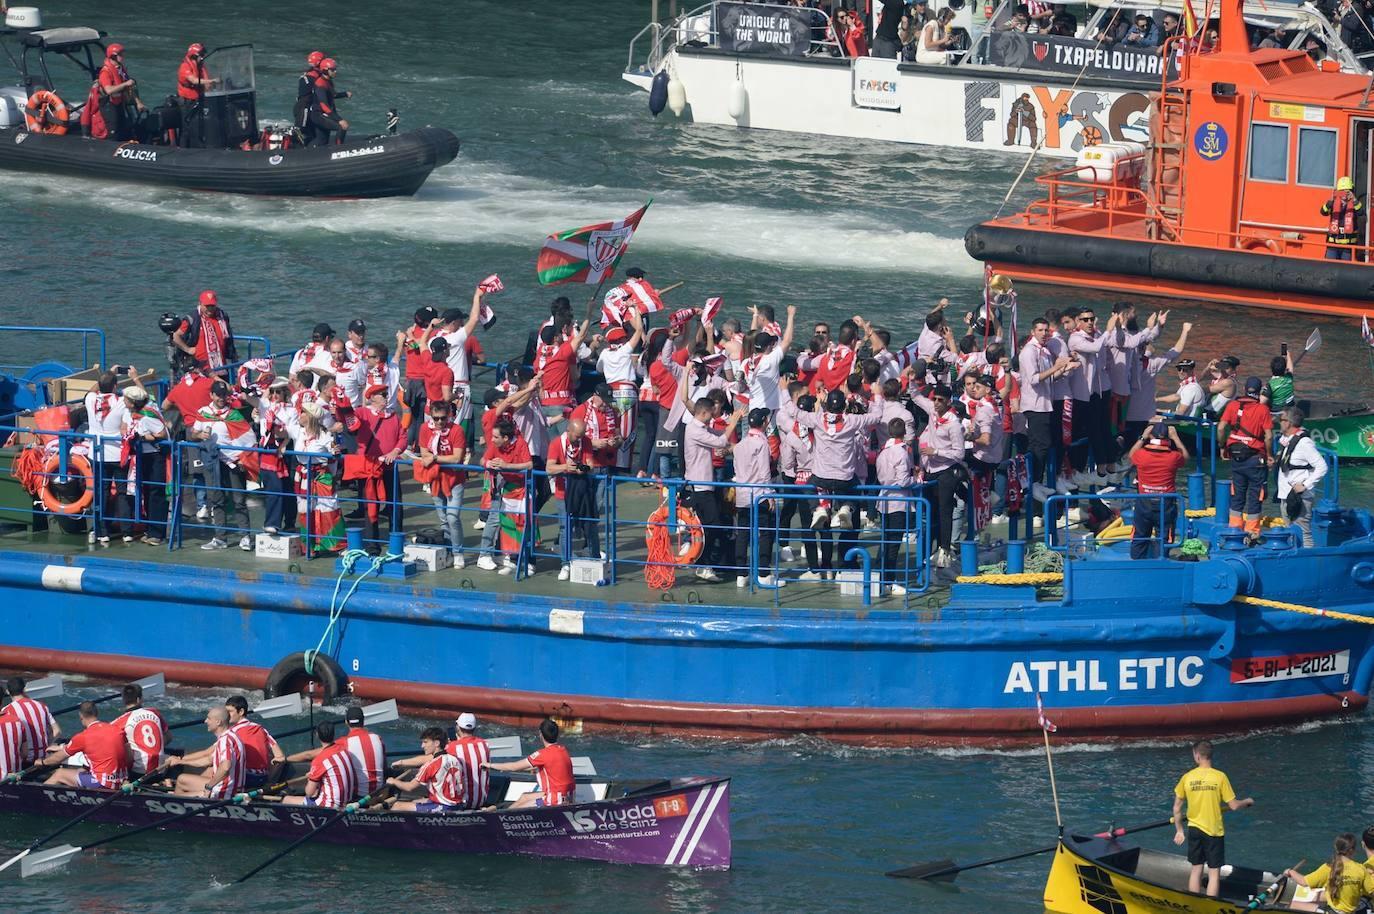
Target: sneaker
<point>820,519</point>
<point>1075,515</point>
<point>768,580</point>
<point>565,573</point>
<point>741,581</point>
<point>914,539</point>
<point>270,531</point>
<point>152,540</point>
<point>1064,486</point>
<point>424,487</point>
<point>809,576</point>
<point>246,544</point>
<point>941,558</point>
<point>896,590</point>
<point>788,554</point>
<point>202,512</point>
<point>486,563</point>
<point>999,519</point>
<point>1043,494</point>
<point>843,519</point>
<point>529,569</point>
<point>103,540</point>
<point>128,537</point>
<point>870,522</point>
<point>252,485</point>
<point>505,569</point>
<point>459,561</point>
<point>708,575</point>
<point>479,524</point>
<point>215,543</point>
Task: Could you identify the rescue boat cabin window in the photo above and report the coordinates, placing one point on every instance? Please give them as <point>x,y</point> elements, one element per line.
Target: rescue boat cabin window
<point>1317,157</point>
<point>1269,152</point>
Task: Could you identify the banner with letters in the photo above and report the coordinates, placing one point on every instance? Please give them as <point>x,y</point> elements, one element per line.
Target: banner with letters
<point>875,84</point>
<point>1062,54</point>
<point>757,28</point>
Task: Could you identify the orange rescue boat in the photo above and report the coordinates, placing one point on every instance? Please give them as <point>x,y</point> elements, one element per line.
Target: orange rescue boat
<point>1226,201</point>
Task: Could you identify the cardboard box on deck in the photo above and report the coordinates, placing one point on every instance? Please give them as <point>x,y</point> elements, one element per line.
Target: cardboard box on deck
<point>430,558</point>
<point>76,386</point>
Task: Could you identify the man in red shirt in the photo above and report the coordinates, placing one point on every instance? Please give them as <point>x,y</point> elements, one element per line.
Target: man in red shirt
<point>1246,430</point>
<point>378,434</point>
<point>556,360</point>
<point>552,769</point>
<point>438,376</point>
<point>191,85</point>
<point>443,446</point>
<point>1158,456</point>
<point>602,420</point>
<point>117,91</point>
<point>106,752</point>
<point>260,750</point>
<point>411,344</point>
<point>507,458</point>
<point>207,335</point>
<point>332,781</point>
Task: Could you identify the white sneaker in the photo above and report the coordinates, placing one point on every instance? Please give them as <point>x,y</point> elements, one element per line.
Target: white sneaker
<point>246,543</point>
<point>788,554</point>
<point>843,519</point>
<point>270,531</point>
<point>709,575</point>
<point>914,539</point>
<point>202,512</point>
<point>479,524</point>
<point>941,558</point>
<point>809,576</point>
<point>1064,486</point>
<point>820,519</point>
<point>128,537</point>
<point>1075,515</point>
<point>505,569</point>
<point>768,580</point>
<point>424,487</point>
<point>1042,494</point>
<point>215,543</point>
<point>565,573</point>
<point>251,485</point>
<point>741,581</point>
<point>896,590</point>
<point>999,519</point>
<point>486,563</point>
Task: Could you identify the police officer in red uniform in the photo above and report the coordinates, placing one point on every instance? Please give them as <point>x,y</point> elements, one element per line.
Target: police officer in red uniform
<point>324,115</point>
<point>117,91</point>
<point>1246,430</point>
<point>1158,456</point>
<point>191,85</point>
<point>305,92</point>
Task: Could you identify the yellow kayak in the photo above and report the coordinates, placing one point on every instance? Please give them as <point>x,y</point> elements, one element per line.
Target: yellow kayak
<point>1110,876</point>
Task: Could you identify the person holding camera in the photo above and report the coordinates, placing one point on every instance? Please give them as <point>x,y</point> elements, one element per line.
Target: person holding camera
<point>1158,454</point>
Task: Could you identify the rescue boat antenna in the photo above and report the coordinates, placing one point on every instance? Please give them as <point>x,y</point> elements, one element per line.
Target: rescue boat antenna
<point>1233,35</point>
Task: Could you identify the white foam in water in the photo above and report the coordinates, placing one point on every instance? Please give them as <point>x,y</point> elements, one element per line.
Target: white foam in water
<point>478,203</point>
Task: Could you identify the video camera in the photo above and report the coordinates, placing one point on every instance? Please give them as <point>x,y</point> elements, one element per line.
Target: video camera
<point>180,362</point>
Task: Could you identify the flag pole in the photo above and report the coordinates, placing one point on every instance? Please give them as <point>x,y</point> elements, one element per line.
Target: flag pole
<point>1054,790</point>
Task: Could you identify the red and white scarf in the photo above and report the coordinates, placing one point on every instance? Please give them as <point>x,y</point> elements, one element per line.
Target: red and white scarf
<point>601,422</point>
<point>214,330</point>
<point>573,451</point>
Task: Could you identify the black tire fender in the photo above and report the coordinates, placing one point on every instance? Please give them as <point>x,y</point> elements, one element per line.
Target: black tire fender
<point>289,675</point>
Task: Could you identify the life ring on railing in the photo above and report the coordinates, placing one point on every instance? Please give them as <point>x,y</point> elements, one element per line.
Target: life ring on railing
<point>45,112</point>
<point>657,537</point>
<point>78,467</point>
<point>1253,244</point>
<point>289,675</point>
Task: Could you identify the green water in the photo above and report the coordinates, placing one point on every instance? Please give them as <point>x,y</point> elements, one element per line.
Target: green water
<point>552,139</point>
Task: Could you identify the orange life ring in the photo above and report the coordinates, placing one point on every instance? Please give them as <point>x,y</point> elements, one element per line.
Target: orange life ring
<point>45,112</point>
<point>1255,243</point>
<point>657,535</point>
<point>76,466</point>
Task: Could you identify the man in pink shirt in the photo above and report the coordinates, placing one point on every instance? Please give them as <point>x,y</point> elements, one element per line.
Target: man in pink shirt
<point>894,470</point>
<point>702,495</point>
<point>942,456</point>
<point>753,471</point>
<point>1090,430</point>
<point>1041,368</point>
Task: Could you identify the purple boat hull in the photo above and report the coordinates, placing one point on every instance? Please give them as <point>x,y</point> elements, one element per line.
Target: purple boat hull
<point>680,822</point>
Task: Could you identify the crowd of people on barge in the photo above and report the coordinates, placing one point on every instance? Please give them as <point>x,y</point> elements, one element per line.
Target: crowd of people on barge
<point>452,772</point>
<point>823,438</point>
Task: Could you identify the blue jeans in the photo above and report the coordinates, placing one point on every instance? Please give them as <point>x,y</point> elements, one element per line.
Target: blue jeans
<point>492,529</point>
<point>450,514</point>
<point>275,491</point>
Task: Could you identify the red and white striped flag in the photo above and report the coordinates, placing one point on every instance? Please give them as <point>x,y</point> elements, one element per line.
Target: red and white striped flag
<point>492,284</point>
<point>615,307</point>
<point>712,308</point>
<point>644,296</point>
<point>1045,723</point>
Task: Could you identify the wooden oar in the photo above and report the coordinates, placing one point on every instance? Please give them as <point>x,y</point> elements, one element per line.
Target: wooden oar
<point>1264,896</point>
<point>53,857</point>
<point>153,687</point>
<point>948,869</point>
<point>380,713</point>
<point>114,795</point>
<point>346,811</point>
<point>285,706</point>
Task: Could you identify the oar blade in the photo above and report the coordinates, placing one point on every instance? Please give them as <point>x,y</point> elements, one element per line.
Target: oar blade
<point>45,688</point>
<point>45,861</point>
<point>1314,342</point>
<point>925,871</point>
<point>383,712</point>
<point>153,686</point>
<point>285,706</point>
<point>583,766</point>
<point>505,747</point>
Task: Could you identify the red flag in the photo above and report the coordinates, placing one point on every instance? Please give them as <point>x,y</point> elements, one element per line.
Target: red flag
<point>708,313</point>
<point>1040,715</point>
<point>644,296</point>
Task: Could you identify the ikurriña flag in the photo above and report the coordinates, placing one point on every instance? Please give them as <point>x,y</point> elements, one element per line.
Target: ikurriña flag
<point>588,254</point>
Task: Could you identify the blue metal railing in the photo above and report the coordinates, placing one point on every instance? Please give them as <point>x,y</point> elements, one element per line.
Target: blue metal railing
<point>85,333</point>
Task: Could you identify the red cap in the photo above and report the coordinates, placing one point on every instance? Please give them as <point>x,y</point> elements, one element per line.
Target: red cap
<point>328,64</point>
<point>114,49</point>
<point>208,297</point>
<point>315,58</point>
<point>195,49</point>
<point>374,389</point>
<point>616,335</point>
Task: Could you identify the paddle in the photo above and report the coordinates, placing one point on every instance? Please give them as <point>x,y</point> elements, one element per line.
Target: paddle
<point>1264,896</point>
<point>285,706</point>
<point>947,869</point>
<point>382,712</point>
<point>346,811</point>
<point>153,687</point>
<point>53,857</point>
<point>45,688</point>
<point>114,795</point>
<point>1314,342</point>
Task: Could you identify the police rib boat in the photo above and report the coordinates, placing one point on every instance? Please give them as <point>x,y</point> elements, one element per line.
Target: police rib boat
<point>671,822</point>
<point>225,149</point>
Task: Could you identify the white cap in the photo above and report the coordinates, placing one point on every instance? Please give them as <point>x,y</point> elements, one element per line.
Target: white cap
<point>467,721</point>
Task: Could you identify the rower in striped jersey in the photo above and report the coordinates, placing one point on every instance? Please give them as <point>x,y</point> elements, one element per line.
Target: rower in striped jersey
<point>443,774</point>
<point>228,770</point>
<point>332,781</point>
<point>14,747</point>
<point>366,749</point>
<point>145,730</point>
<point>261,752</point>
<point>38,723</point>
<point>473,752</point>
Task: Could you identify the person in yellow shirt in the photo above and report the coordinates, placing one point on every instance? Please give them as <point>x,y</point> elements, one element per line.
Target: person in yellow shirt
<point>1343,880</point>
<point>1205,789</point>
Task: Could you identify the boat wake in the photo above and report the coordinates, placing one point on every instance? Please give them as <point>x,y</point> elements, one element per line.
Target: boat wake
<point>482,204</point>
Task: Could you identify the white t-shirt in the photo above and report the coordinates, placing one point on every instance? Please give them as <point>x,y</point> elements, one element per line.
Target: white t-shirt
<point>1190,399</point>
<point>457,354</point>
<point>618,363</point>
<point>106,416</point>
<point>763,379</point>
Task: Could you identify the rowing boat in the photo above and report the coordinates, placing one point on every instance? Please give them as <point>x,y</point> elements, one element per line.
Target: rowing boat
<point>1092,875</point>
<point>669,822</point>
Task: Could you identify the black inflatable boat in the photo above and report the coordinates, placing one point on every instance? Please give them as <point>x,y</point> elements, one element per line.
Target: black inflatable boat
<point>225,149</point>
